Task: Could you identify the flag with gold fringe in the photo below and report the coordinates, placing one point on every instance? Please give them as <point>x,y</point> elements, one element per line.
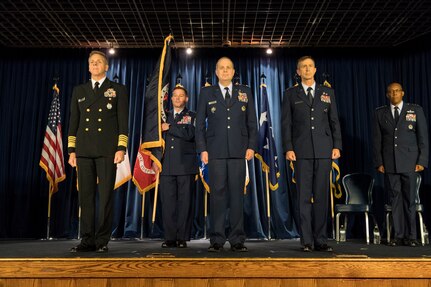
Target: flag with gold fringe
<point>335,168</point>
<point>151,149</point>
<point>52,160</point>
<point>267,151</point>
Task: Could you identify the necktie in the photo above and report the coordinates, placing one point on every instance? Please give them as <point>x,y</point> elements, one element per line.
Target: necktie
<point>309,95</point>
<point>396,114</point>
<point>96,87</point>
<point>227,96</point>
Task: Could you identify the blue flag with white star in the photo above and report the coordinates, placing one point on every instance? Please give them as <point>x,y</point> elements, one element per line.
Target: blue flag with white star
<point>267,151</point>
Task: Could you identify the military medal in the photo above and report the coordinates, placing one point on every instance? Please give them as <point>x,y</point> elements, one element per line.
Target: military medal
<point>242,97</point>
<point>243,108</point>
<point>109,106</point>
<point>411,117</point>
<point>325,98</point>
<point>213,109</point>
<point>410,127</point>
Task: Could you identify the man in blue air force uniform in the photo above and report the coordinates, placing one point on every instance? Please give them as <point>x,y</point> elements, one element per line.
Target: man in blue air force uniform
<point>311,140</point>
<point>97,142</point>
<point>177,180</point>
<point>229,138</point>
<point>400,148</point>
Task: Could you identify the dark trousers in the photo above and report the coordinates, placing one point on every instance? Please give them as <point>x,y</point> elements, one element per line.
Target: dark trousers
<point>312,182</point>
<point>227,182</point>
<point>176,194</point>
<point>401,188</point>
<point>96,174</point>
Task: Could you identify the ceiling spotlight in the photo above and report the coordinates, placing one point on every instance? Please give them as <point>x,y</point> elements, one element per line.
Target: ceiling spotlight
<point>111,51</point>
<point>189,51</point>
<point>269,50</point>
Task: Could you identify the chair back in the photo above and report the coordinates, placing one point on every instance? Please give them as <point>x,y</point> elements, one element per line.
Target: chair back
<point>359,188</point>
<point>418,187</point>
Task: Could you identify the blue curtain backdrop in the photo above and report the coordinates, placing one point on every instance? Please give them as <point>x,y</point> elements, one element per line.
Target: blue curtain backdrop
<point>359,77</point>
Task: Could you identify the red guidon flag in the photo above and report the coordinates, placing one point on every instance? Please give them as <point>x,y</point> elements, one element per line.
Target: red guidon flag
<point>151,149</point>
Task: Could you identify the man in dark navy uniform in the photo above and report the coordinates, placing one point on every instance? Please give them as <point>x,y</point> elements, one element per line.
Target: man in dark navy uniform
<point>400,147</point>
<point>177,179</point>
<point>97,142</point>
<point>311,140</point>
<point>228,138</point>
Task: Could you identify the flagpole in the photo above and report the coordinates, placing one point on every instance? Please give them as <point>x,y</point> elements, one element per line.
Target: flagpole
<point>79,222</point>
<point>268,205</point>
<point>49,212</point>
<point>156,192</point>
<point>332,206</point>
<point>142,215</point>
<point>205,213</point>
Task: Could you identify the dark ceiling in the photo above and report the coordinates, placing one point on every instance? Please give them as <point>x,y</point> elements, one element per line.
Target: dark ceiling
<point>211,23</point>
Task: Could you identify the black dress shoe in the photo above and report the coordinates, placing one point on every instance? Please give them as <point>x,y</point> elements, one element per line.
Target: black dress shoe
<point>239,247</point>
<point>216,247</point>
<point>323,247</point>
<point>307,248</point>
<point>169,244</point>
<point>396,242</point>
<point>82,248</point>
<point>413,243</point>
<point>102,249</point>
<point>182,244</point>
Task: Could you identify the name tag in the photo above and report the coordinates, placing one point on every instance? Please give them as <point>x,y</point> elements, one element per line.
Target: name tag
<point>212,103</point>
<point>81,100</point>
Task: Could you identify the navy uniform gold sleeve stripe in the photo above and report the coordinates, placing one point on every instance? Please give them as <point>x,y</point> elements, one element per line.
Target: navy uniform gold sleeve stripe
<point>71,144</point>
<point>122,140</point>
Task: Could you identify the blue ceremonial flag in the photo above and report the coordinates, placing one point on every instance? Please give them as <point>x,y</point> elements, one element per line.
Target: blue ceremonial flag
<point>267,151</point>
<point>203,174</point>
<point>335,179</point>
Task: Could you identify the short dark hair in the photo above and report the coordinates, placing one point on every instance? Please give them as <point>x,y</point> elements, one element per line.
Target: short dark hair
<point>303,58</point>
<point>180,88</point>
<point>94,52</point>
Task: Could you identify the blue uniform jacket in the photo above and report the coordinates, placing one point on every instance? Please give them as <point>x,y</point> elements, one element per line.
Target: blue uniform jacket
<point>400,147</point>
<point>310,130</point>
<point>226,131</point>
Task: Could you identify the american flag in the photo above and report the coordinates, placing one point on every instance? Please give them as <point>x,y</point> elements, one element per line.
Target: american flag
<point>52,160</point>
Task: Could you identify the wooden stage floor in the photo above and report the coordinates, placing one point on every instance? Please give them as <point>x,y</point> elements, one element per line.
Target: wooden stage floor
<point>268,263</point>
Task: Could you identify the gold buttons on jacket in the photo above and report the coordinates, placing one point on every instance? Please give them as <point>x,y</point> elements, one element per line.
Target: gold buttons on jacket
<point>87,119</point>
<point>100,110</point>
<point>86,129</point>
<point>99,120</point>
<point>88,110</point>
<point>99,129</point>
